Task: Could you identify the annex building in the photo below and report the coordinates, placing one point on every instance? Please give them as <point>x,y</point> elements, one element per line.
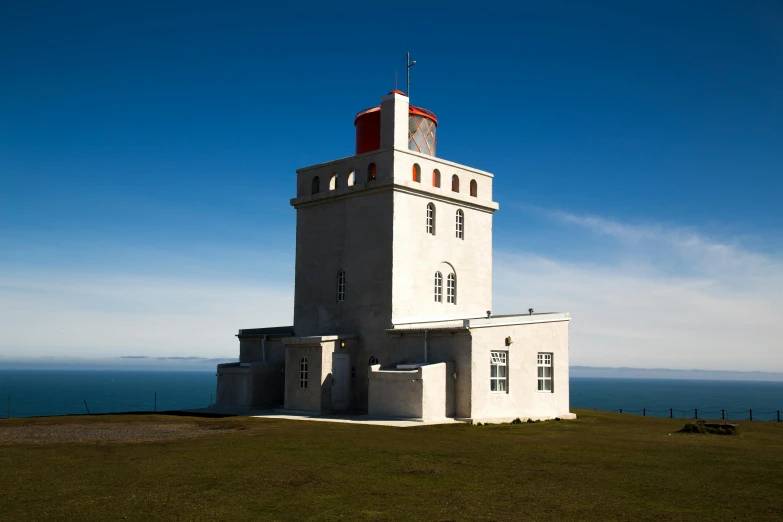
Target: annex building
<point>393,294</point>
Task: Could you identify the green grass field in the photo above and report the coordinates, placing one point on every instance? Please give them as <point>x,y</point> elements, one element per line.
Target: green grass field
<point>603,466</point>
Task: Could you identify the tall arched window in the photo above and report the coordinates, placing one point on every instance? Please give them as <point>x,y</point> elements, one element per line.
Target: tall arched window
<point>455,183</point>
<point>473,188</point>
<point>436,178</point>
<point>373,361</point>
<point>341,286</point>
<point>371,172</point>
<point>351,178</point>
<point>438,287</point>
<point>451,289</point>
<point>431,219</point>
<point>416,173</point>
<point>334,182</point>
<point>460,224</point>
<point>303,373</point>
<point>316,188</point>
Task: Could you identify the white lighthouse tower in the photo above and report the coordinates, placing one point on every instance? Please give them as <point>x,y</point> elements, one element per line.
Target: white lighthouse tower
<point>393,294</point>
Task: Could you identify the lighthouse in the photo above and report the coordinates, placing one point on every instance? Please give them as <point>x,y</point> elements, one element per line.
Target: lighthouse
<point>393,294</point>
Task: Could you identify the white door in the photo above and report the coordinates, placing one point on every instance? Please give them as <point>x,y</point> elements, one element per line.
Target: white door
<point>341,381</point>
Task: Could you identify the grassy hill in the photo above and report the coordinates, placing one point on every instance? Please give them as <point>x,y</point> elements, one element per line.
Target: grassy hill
<point>601,466</point>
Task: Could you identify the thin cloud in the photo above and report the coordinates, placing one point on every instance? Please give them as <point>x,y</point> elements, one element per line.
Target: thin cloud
<point>712,305</point>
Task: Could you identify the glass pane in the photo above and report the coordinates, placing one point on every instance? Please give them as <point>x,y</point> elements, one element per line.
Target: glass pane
<point>502,385</point>
<point>547,371</point>
<point>501,371</point>
<point>412,145</point>
<point>540,385</point>
<point>494,371</point>
<point>540,372</point>
<point>413,124</point>
<point>493,384</point>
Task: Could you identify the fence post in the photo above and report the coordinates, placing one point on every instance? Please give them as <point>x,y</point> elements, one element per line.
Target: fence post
<point>695,413</point>
<point>88,408</point>
<point>722,417</point>
<point>155,404</point>
<point>644,412</point>
<point>751,414</point>
<point>9,408</point>
<point>210,399</point>
<point>621,410</point>
<point>671,413</point>
<point>778,415</point>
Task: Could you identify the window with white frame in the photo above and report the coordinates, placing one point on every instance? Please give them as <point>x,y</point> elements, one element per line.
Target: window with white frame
<point>341,286</point>
<point>438,287</point>
<point>431,219</point>
<point>460,224</point>
<point>451,289</point>
<point>303,373</point>
<point>498,376</point>
<point>545,372</point>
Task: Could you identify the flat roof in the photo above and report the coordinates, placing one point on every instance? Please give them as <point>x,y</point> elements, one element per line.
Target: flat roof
<point>272,330</point>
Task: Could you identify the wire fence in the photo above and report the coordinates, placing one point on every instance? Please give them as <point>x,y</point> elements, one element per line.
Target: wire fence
<point>722,414</point>
<point>15,407</point>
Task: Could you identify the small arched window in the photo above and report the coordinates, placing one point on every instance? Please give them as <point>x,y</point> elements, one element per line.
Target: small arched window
<point>460,224</point>
<point>371,172</point>
<point>334,182</point>
<point>416,173</point>
<point>351,178</point>
<point>341,286</point>
<point>431,219</point>
<point>451,289</point>
<point>438,287</point>
<point>303,373</point>
<point>455,183</point>
<point>473,188</point>
<point>436,178</point>
<point>373,361</point>
<point>316,188</point>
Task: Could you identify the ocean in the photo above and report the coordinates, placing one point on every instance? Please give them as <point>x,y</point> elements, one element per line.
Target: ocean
<point>60,392</point>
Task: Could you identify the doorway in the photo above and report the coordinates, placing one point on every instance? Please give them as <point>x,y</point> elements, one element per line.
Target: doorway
<point>341,381</point>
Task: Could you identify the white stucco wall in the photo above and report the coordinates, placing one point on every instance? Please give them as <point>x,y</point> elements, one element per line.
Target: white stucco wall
<point>523,399</point>
<point>424,393</point>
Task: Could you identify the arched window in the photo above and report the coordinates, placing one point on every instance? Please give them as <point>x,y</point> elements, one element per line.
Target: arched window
<point>460,224</point>
<point>438,287</point>
<point>316,186</point>
<point>455,183</point>
<point>431,219</point>
<point>334,182</point>
<point>371,172</point>
<point>436,178</point>
<point>303,373</point>
<point>451,289</point>
<point>351,178</point>
<point>473,188</point>
<point>416,173</point>
<point>341,286</point>
<point>373,361</point>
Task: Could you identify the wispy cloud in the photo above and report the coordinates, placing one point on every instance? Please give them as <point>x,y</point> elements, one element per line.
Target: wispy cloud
<point>669,297</point>
<point>42,313</point>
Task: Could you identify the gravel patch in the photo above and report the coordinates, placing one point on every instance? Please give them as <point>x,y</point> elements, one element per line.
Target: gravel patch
<point>114,432</point>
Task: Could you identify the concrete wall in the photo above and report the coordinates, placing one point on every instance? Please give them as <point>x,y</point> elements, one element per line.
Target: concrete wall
<point>418,255</point>
<point>250,349</point>
<point>442,346</point>
<point>252,386</point>
<point>425,393</point>
<point>318,394</point>
<point>523,399</point>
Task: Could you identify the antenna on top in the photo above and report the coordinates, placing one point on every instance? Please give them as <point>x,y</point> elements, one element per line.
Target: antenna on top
<point>408,64</point>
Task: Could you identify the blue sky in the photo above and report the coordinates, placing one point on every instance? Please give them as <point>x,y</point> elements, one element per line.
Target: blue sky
<point>148,153</point>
